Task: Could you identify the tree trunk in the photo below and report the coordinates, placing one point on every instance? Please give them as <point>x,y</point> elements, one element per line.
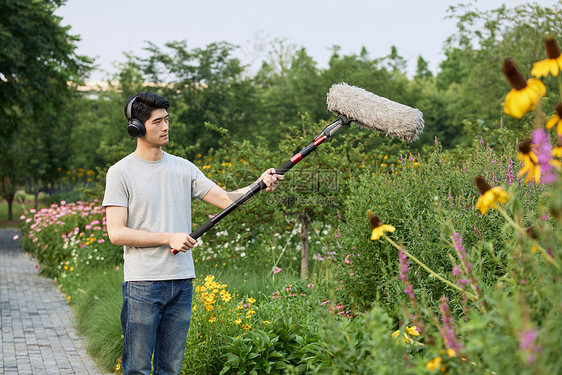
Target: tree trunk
<point>305,247</point>
<point>8,192</point>
<point>10,211</point>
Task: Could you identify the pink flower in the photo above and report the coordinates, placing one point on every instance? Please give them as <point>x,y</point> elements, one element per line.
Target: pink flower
<point>318,257</point>
<point>277,270</point>
<point>16,237</point>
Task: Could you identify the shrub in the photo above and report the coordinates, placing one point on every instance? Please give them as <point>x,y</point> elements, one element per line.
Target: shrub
<point>414,197</point>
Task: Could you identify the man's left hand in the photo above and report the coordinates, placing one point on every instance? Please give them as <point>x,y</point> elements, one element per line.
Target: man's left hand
<point>271,179</point>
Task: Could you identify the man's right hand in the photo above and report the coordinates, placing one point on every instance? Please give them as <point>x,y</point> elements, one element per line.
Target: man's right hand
<point>181,242</point>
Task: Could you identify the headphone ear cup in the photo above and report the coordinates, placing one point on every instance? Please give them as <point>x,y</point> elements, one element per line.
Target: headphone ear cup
<point>136,128</point>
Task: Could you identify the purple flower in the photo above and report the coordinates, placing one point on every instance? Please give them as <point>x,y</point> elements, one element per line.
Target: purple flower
<point>543,150</point>
<point>478,233</point>
<point>461,253</point>
<point>448,330</point>
<point>509,177</point>
<point>404,263</point>
<point>527,344</point>
<point>527,338</point>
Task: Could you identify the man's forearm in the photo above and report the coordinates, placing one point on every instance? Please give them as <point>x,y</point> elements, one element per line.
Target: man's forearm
<point>234,195</point>
<point>138,238</point>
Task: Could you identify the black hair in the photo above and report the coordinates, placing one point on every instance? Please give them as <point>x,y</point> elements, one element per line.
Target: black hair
<point>144,104</point>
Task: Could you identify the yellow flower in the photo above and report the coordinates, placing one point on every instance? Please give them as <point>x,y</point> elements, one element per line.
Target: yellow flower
<point>378,227</point>
<point>434,364</point>
<point>212,319</point>
<point>405,337</point>
<point>556,119</point>
<point>226,297</point>
<point>489,195</point>
<point>250,313</point>
<point>552,64</point>
<point>238,321</point>
<point>251,300</point>
<point>524,95</point>
<point>412,331</point>
<point>530,161</point>
<point>451,353</point>
<point>118,365</point>
<point>557,151</point>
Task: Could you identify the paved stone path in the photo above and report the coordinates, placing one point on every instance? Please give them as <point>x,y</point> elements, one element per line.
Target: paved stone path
<point>37,331</point>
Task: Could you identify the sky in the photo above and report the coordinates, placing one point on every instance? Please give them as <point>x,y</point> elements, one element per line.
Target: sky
<point>108,28</point>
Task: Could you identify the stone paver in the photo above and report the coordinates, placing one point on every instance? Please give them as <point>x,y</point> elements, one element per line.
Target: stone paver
<point>37,329</point>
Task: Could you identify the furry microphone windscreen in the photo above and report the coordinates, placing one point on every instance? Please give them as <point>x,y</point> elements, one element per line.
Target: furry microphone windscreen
<point>375,113</point>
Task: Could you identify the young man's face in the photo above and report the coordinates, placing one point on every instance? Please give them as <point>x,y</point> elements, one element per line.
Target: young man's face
<point>157,128</point>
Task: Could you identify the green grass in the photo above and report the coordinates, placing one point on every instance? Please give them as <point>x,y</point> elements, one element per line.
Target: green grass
<point>98,301</point>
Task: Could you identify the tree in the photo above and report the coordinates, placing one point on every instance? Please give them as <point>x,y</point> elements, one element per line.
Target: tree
<point>288,87</point>
<point>471,76</point>
<point>422,69</point>
<point>37,62</point>
<point>203,85</point>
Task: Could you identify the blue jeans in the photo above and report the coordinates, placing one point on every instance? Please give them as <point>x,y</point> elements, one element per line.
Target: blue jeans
<point>155,319</point>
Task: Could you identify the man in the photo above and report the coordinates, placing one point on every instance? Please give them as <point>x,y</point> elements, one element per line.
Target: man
<point>148,208</point>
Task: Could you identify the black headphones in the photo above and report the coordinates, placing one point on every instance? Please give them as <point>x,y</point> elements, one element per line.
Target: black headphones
<point>136,127</point>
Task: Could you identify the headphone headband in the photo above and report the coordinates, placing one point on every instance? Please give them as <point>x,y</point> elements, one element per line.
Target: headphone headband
<point>129,113</point>
<point>136,127</point>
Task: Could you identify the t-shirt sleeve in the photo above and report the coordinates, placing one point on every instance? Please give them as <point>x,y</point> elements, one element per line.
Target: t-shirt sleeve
<point>115,189</point>
<point>200,184</point>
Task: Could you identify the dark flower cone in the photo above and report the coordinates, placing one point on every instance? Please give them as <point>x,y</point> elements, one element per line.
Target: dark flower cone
<point>374,220</point>
<point>513,75</point>
<point>482,185</point>
<point>552,48</point>
<point>525,146</point>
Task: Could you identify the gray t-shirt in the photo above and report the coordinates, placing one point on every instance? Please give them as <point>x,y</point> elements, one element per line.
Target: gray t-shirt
<point>158,196</point>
